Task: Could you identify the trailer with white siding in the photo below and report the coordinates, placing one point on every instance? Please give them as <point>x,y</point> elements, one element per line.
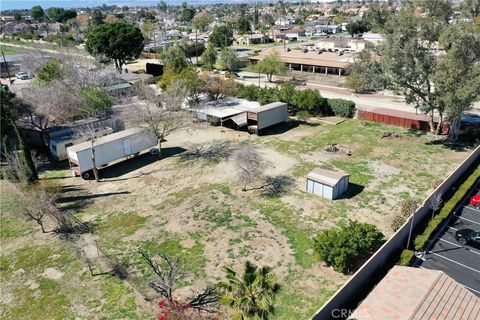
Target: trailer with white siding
<point>109,149</point>
<point>267,115</point>
<point>326,183</point>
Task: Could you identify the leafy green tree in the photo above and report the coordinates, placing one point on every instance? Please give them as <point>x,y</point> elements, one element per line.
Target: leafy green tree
<point>271,65</point>
<point>366,75</point>
<point>310,100</point>
<point>376,16</point>
<point>9,106</point>
<point>51,71</point>
<point>344,248</point>
<point>192,49</point>
<point>457,73</point>
<point>186,12</point>
<point>221,36</point>
<point>56,14</point>
<point>250,92</point>
<point>209,57</point>
<point>97,17</point>
<point>409,64</point>
<point>472,7</point>
<point>162,6</point>
<point>118,41</point>
<point>342,108</point>
<point>250,295</point>
<point>96,101</point>
<point>356,27</point>
<point>303,116</point>
<point>37,13</point>
<point>174,59</point>
<point>201,21</point>
<point>287,92</point>
<point>228,60</point>
<point>268,95</point>
<point>243,25</point>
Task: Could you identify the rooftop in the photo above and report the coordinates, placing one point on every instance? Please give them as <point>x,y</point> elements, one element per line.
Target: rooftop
<point>312,58</point>
<point>418,294</point>
<point>326,176</point>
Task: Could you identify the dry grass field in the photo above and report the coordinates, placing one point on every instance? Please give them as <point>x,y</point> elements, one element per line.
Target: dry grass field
<point>190,204</point>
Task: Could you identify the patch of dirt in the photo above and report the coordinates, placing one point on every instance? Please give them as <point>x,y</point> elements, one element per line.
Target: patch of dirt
<point>52,273</point>
<point>381,170</point>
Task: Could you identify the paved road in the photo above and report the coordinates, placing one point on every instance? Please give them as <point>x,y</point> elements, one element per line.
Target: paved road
<point>462,263</point>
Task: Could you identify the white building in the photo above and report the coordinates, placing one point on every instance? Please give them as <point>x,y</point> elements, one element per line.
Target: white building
<point>329,184</point>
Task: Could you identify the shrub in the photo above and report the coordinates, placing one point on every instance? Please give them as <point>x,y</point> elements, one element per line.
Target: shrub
<point>342,107</point>
<point>267,95</point>
<point>406,258</point>
<point>346,247</point>
<point>407,207</point>
<point>310,100</point>
<point>250,92</point>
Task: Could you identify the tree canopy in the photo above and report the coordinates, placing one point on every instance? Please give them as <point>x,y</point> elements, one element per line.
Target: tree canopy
<point>271,65</point>
<point>222,36</point>
<point>118,41</point>
<point>228,60</point>
<point>346,247</point>
<point>37,12</point>
<point>56,14</point>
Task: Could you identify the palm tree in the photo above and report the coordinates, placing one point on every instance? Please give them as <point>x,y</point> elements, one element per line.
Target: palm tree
<point>251,295</point>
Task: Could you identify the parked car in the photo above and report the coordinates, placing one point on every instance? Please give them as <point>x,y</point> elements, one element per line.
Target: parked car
<point>22,75</point>
<point>468,236</point>
<point>475,201</point>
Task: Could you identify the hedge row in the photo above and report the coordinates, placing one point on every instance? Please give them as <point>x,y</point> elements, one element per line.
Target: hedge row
<point>308,100</point>
<point>422,239</point>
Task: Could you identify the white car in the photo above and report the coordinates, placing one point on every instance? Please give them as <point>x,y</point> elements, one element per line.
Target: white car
<point>22,75</point>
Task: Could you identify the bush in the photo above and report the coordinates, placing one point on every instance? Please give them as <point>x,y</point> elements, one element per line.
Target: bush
<point>250,92</point>
<point>346,247</point>
<point>407,207</point>
<point>422,240</point>
<point>268,95</point>
<point>310,100</point>
<point>406,258</point>
<point>342,107</point>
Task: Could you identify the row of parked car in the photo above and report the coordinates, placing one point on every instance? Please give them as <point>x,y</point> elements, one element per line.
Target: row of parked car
<point>469,236</point>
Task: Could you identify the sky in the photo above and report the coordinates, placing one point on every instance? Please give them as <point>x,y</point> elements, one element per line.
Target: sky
<point>27,4</point>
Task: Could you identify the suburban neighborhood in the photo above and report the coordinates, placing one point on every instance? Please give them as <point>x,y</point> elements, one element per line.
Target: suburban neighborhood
<point>240,160</point>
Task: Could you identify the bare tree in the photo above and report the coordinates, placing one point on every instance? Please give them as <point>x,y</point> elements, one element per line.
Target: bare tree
<point>249,165</point>
<point>435,203</point>
<point>38,206</point>
<point>163,115</point>
<point>169,275</point>
<point>89,133</point>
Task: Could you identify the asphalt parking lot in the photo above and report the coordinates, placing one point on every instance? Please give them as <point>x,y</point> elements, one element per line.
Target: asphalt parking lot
<point>462,263</point>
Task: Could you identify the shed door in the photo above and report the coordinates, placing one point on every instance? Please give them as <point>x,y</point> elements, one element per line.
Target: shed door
<point>310,186</point>
<point>127,147</point>
<point>328,192</point>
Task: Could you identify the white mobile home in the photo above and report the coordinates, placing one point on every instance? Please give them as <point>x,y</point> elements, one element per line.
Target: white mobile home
<point>108,149</point>
<point>329,184</point>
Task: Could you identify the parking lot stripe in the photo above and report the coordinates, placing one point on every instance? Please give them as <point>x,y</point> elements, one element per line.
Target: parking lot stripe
<point>471,289</point>
<point>453,228</point>
<point>459,246</point>
<point>451,260</point>
<point>467,220</point>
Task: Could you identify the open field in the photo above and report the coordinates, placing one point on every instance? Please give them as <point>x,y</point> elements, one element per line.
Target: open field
<point>191,204</point>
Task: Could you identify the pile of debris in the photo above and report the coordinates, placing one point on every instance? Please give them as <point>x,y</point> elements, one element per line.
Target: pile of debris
<point>391,135</point>
<point>332,148</point>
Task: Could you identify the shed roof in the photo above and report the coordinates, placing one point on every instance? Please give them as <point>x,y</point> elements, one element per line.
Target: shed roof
<point>240,119</point>
<point>418,294</point>
<point>109,138</point>
<point>326,176</point>
<point>269,106</point>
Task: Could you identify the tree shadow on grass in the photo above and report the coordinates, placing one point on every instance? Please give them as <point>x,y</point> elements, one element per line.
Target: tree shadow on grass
<point>215,152</point>
<point>459,146</point>
<point>277,186</point>
<point>77,202</point>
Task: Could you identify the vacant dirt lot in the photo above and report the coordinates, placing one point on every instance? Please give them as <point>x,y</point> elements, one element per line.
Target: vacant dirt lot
<point>190,204</point>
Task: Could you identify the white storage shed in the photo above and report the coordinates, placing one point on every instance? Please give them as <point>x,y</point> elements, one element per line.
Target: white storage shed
<point>330,184</point>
